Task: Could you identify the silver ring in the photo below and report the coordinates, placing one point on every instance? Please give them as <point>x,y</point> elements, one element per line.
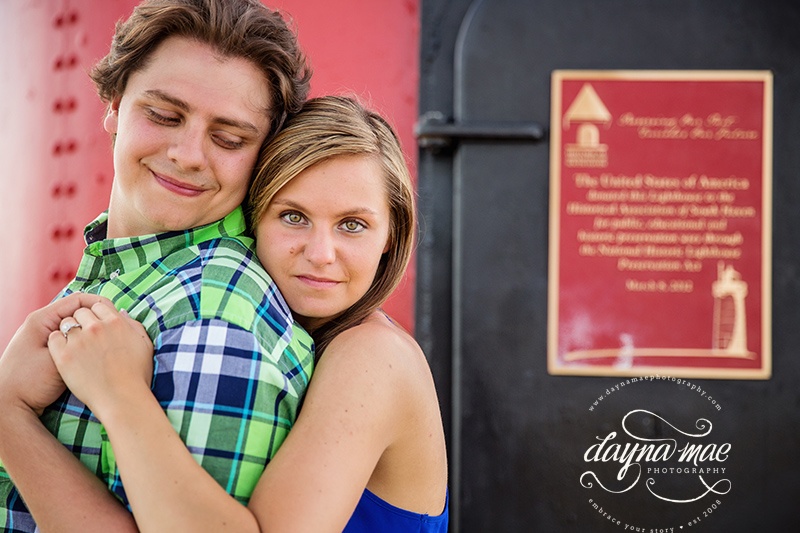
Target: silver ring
<point>64,328</point>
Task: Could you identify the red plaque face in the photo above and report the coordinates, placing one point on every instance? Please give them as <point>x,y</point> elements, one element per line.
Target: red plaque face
<point>660,235</point>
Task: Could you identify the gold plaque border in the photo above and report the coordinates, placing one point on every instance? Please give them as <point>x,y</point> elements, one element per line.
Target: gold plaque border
<point>554,366</point>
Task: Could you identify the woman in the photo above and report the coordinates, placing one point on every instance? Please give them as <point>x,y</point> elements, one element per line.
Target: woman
<point>332,208</point>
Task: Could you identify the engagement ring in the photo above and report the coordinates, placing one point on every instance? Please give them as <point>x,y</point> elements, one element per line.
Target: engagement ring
<point>66,327</point>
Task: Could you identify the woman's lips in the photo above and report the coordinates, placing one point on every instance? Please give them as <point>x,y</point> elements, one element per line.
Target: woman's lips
<point>317,283</point>
<point>178,187</point>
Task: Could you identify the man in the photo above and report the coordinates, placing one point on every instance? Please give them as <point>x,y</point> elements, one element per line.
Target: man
<point>194,88</point>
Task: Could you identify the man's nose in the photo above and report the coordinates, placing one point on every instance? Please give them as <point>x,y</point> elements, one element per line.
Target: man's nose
<point>188,149</point>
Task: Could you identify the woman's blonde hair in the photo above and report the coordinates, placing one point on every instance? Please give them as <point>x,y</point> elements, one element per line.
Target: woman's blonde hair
<point>328,127</point>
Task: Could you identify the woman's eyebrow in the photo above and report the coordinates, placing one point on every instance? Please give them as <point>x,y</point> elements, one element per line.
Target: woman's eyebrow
<point>354,211</point>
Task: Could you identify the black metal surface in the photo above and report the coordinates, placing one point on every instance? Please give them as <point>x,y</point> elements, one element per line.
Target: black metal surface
<point>434,133</point>
<point>516,434</point>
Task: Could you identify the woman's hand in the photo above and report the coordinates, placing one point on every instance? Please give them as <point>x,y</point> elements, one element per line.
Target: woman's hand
<point>108,355</point>
<point>27,375</point>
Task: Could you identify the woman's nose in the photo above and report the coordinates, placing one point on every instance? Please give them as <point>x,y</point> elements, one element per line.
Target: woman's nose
<point>320,249</point>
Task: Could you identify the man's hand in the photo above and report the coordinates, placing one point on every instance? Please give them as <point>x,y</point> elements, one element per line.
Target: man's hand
<point>28,376</point>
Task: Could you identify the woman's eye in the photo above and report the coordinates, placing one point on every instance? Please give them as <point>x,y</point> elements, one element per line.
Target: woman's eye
<point>353,226</point>
<point>292,217</point>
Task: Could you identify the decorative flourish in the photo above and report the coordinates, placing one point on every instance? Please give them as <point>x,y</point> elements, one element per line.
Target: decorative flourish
<point>702,424</point>
<point>712,488</point>
<point>589,485</point>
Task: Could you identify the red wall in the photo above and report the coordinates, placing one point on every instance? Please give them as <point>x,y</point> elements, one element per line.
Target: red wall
<point>57,163</point>
<point>369,48</point>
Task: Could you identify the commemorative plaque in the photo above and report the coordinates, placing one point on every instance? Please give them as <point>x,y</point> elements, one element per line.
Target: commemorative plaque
<point>660,224</point>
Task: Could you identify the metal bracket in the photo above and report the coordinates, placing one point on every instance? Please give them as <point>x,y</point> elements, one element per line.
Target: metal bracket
<point>435,133</point>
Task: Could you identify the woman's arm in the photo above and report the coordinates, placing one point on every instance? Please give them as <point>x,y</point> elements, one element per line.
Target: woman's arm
<point>351,415</point>
<point>166,487</point>
<point>60,492</point>
<point>312,484</point>
<point>108,365</point>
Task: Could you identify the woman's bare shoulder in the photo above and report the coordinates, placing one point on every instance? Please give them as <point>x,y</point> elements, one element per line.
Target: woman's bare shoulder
<point>377,341</point>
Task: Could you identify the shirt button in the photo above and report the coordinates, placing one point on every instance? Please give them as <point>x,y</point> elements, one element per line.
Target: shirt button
<point>114,274</point>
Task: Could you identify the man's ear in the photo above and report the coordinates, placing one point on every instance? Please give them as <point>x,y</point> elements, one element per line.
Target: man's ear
<point>111,121</point>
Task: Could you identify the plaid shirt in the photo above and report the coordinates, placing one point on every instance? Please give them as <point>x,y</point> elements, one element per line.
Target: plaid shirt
<point>231,367</point>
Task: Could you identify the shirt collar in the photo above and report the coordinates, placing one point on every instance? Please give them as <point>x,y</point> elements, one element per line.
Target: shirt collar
<point>129,253</point>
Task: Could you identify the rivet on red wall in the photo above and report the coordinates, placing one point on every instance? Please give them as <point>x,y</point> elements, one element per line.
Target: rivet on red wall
<point>64,188</point>
<point>67,146</point>
<point>65,62</point>
<point>61,275</point>
<point>62,231</point>
<point>65,19</point>
<point>65,105</point>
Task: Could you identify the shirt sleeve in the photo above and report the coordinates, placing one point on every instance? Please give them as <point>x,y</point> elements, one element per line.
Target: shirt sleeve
<point>231,405</point>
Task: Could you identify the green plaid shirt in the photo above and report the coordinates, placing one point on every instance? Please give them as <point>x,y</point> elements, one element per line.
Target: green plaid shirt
<point>231,367</point>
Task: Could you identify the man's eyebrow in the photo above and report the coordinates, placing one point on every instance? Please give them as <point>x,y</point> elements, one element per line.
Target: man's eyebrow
<point>165,97</point>
<point>239,124</point>
<point>183,106</point>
